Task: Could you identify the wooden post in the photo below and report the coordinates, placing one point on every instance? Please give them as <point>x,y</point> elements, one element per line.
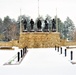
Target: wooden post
<point>21,54</point>
<point>61,50</point>
<point>71,55</point>
<point>18,56</point>
<point>65,53</point>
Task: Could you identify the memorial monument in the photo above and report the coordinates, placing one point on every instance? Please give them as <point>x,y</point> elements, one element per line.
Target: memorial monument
<point>40,39</point>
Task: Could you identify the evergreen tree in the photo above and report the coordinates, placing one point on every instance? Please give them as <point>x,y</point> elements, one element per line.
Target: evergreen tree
<point>60,27</point>
<point>68,28</point>
<point>6,27</point>
<point>1,25</point>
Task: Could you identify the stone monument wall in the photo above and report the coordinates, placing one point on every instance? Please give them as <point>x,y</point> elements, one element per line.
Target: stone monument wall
<point>39,39</point>
<point>6,43</point>
<point>68,43</point>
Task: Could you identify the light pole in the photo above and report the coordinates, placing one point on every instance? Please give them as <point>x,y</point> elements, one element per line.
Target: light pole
<point>20,23</point>
<point>38,9</point>
<point>56,21</point>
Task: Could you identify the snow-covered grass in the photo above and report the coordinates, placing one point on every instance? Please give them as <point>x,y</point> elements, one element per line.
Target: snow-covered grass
<point>39,61</point>
<point>6,55</point>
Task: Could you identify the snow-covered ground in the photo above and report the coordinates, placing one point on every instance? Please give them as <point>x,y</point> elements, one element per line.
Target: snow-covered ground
<point>39,61</point>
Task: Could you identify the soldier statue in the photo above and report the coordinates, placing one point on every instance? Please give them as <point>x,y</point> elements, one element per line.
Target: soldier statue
<point>25,24</point>
<point>32,24</point>
<point>39,23</point>
<point>46,25</point>
<point>53,25</point>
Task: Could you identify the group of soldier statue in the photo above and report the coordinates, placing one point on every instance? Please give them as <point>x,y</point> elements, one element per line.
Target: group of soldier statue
<point>39,25</point>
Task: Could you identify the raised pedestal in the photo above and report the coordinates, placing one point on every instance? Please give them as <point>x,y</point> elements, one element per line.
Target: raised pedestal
<point>39,39</point>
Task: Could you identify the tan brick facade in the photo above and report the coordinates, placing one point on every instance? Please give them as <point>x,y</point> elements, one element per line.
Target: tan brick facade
<point>39,39</point>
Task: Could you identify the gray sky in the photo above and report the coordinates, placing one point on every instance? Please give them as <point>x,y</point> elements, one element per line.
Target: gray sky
<point>30,7</point>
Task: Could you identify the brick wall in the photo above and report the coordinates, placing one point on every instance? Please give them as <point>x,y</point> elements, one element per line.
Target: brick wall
<point>39,39</point>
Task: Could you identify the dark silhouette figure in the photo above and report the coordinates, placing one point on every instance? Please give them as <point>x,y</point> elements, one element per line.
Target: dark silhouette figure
<point>25,24</point>
<point>39,23</point>
<point>32,23</point>
<point>53,25</point>
<point>46,24</point>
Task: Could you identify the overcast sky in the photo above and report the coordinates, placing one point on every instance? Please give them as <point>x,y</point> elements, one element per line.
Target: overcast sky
<point>30,7</point>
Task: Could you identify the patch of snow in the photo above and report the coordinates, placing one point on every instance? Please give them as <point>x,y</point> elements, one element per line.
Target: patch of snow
<point>39,61</point>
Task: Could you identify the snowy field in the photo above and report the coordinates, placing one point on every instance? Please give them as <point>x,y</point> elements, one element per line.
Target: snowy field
<point>39,61</point>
